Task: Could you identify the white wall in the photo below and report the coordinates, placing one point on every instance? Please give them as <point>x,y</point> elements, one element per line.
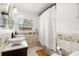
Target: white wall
<point>67,17</point>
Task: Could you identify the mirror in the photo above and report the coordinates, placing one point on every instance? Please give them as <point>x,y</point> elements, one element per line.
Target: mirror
<point>12,11</point>
<point>10,17</point>
<point>27,23</point>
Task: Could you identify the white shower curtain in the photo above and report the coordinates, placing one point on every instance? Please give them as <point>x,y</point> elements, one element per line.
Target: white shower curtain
<point>41,37</point>
<point>47,28</point>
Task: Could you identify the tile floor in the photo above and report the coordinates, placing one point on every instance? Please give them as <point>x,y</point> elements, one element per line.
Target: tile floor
<point>33,44</point>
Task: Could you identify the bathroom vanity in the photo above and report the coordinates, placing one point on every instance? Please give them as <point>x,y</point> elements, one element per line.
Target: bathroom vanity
<point>12,46</point>
<point>15,50</point>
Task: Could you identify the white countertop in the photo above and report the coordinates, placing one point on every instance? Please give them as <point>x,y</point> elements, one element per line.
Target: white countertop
<point>10,46</point>
<point>18,38</point>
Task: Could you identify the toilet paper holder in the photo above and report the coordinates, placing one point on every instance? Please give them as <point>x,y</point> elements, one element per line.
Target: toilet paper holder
<point>59,50</point>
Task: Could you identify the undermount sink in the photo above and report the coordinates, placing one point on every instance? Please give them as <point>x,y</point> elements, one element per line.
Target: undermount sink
<point>17,40</point>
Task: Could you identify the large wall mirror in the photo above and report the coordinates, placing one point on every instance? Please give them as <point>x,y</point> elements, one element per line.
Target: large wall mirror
<point>28,23</point>
<point>12,11</point>
<point>10,17</point>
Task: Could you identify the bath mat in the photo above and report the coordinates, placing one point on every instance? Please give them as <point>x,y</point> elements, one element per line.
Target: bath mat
<point>42,52</point>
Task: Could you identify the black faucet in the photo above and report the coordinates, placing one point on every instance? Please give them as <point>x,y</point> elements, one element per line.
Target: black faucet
<point>12,35</point>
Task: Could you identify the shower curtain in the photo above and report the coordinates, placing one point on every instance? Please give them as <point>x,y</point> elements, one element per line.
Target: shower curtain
<point>47,28</point>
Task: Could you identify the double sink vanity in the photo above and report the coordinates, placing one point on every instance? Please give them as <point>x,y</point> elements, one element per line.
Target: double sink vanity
<point>16,46</point>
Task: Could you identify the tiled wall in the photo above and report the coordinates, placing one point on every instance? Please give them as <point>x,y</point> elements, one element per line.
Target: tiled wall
<point>72,37</point>
<point>69,42</point>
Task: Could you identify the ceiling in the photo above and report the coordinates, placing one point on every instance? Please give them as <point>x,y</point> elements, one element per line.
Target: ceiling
<point>36,8</point>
